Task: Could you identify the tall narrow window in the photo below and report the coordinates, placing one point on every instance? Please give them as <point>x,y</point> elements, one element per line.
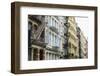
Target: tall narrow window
<point>55,24</point>
<point>49,38</point>
<point>52,21</point>
<point>49,21</point>
<point>58,41</point>
<point>52,39</point>
<point>55,40</point>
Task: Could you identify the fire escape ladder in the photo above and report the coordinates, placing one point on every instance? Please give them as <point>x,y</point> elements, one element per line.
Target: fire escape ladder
<point>39,31</point>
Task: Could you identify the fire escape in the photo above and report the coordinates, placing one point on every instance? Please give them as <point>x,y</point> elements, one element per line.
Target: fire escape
<point>65,45</point>
<point>38,36</point>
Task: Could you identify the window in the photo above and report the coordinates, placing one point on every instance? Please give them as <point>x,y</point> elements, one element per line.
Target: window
<point>53,39</point>
<point>49,38</point>
<point>52,21</point>
<point>55,24</point>
<point>49,21</point>
<point>58,41</point>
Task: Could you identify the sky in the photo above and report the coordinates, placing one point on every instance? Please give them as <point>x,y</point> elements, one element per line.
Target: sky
<point>83,24</point>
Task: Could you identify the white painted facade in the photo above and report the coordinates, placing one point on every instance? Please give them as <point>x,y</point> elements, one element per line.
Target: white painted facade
<point>53,38</point>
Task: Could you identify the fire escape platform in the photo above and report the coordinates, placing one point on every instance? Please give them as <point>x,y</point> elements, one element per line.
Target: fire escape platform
<point>39,43</point>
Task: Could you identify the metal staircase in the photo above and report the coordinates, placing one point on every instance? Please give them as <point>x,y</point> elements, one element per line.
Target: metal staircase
<point>37,35</point>
<point>37,39</point>
<point>39,31</point>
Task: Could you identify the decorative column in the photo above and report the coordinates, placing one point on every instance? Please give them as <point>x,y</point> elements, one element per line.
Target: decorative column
<point>32,53</point>
<point>38,54</point>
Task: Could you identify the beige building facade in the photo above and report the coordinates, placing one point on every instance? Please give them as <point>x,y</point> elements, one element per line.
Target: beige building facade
<point>72,39</point>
